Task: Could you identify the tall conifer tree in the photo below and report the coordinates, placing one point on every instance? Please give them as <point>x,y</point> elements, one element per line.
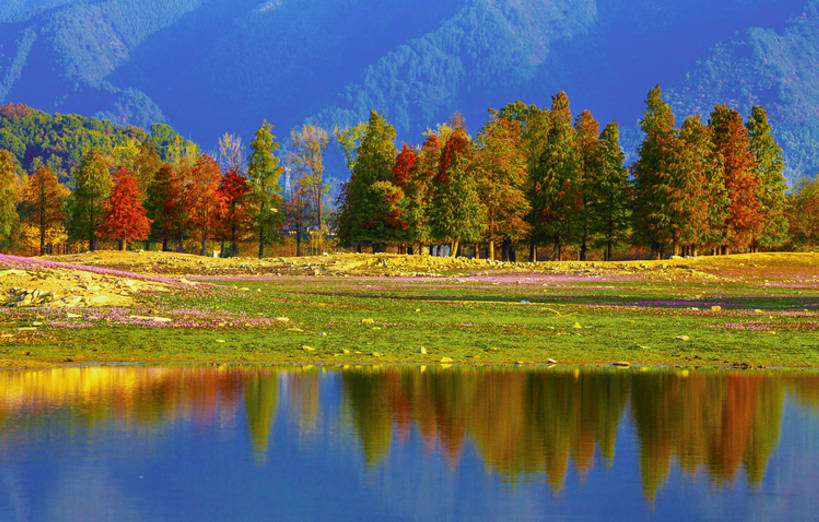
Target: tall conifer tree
<point>610,202</point>
<point>374,159</point>
<point>744,219</point>
<point>264,198</point>
<point>769,165</point>
<point>652,172</point>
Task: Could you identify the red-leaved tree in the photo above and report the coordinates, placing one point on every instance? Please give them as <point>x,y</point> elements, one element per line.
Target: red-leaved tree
<point>232,190</point>
<point>124,219</point>
<point>202,198</point>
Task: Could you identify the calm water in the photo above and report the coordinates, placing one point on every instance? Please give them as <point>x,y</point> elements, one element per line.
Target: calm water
<point>134,443</point>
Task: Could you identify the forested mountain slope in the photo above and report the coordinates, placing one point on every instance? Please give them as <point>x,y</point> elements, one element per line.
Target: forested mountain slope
<point>209,66</point>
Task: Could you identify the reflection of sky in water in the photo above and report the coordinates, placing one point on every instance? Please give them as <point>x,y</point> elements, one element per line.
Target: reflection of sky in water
<point>324,445</point>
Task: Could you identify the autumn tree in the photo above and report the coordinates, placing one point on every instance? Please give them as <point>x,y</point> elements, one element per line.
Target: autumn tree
<point>307,160</point>
<point>744,219</point>
<point>699,198</point>
<point>421,167</point>
<point>557,178</point>
<point>9,190</point>
<point>535,124</point>
<point>232,190</point>
<point>456,213</point>
<point>500,165</point>
<point>263,198</point>
<point>769,167</point>
<point>373,161</point>
<point>652,172</point>
<point>164,205</point>
<point>45,196</point>
<point>124,219</point>
<point>231,153</point>
<point>610,203</point>
<point>297,211</point>
<point>92,187</point>
<point>803,213</point>
<point>202,198</point>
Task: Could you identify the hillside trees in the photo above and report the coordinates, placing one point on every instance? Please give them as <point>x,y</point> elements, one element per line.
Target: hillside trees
<point>263,198</point>
<point>124,219</point>
<point>45,197</point>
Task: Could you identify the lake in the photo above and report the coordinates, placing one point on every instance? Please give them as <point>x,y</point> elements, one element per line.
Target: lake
<point>408,442</point>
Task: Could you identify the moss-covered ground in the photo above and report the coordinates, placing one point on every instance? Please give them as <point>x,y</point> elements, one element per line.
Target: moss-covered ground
<point>738,310</point>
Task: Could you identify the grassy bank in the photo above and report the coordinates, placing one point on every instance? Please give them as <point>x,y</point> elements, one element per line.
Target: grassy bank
<point>754,310</point>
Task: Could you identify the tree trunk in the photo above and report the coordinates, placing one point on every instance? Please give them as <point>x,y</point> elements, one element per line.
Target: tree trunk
<point>477,250</point>
<point>233,249</point>
<point>557,248</point>
<point>121,244</point>
<point>608,251</point>
<point>204,241</point>
<point>298,242</point>
<point>532,251</point>
<point>164,243</point>
<point>491,250</point>
<point>455,246</point>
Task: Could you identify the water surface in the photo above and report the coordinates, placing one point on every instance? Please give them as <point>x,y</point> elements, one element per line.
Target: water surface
<point>137,443</point>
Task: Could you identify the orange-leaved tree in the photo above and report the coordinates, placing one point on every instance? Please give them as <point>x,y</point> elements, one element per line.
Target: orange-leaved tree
<point>205,204</point>
<point>45,195</point>
<point>745,217</point>
<point>232,190</point>
<point>125,218</point>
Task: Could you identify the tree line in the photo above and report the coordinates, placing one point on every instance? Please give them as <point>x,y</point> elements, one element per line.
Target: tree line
<point>538,177</point>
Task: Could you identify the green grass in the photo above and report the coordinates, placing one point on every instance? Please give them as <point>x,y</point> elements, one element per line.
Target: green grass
<point>349,320</point>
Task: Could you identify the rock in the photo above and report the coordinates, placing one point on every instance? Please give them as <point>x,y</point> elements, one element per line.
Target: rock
<point>422,350</point>
<point>682,338</point>
<point>283,319</point>
<point>308,348</point>
<point>716,308</point>
<point>368,320</point>
<point>377,354</point>
<point>344,351</point>
<point>576,326</point>
<point>98,300</point>
<point>445,360</point>
<point>551,361</point>
<point>621,364</point>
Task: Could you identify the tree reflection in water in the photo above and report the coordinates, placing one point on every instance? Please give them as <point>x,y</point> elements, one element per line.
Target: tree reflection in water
<point>520,422</point>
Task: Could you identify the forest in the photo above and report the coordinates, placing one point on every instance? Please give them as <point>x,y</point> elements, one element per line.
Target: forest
<point>533,180</point>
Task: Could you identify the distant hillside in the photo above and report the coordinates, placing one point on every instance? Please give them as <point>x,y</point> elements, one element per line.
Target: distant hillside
<point>61,139</point>
<point>210,66</point>
<point>777,69</point>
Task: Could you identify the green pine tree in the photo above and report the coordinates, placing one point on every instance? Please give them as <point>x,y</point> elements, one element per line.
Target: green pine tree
<point>92,186</point>
<point>264,198</point>
<point>770,165</point>
<point>9,191</point>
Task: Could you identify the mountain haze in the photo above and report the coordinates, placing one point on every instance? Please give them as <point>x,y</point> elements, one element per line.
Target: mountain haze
<point>210,66</point>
